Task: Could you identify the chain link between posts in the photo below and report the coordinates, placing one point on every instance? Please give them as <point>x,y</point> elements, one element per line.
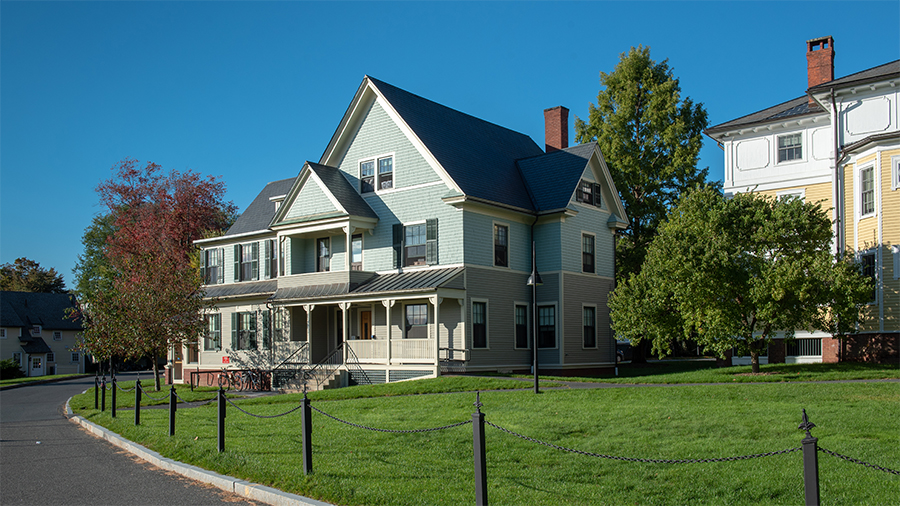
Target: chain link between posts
<point>856,461</point>
<point>242,410</point>
<point>154,398</point>
<point>393,431</point>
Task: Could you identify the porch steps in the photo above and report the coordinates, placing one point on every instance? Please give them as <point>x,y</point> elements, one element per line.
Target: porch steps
<point>338,380</point>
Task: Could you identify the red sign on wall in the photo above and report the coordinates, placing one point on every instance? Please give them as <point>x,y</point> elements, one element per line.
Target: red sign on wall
<point>226,360</point>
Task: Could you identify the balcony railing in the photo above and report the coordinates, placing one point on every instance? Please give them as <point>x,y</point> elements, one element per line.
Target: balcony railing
<point>408,351</point>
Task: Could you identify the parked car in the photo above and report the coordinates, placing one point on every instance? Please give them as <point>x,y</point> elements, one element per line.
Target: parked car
<point>623,351</point>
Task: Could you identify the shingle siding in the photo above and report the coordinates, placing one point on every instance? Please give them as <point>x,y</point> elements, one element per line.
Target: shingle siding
<point>311,200</point>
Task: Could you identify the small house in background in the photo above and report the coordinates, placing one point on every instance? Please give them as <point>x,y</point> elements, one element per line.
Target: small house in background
<point>37,333</point>
<point>405,252</point>
<point>838,144</point>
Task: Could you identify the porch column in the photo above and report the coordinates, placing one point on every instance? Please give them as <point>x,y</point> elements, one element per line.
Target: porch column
<point>348,235</point>
<point>434,299</point>
<point>462,325</point>
<point>309,309</point>
<point>388,304</point>
<point>345,317</point>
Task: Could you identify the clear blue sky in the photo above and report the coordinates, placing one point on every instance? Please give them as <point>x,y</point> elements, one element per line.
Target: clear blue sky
<point>250,90</point>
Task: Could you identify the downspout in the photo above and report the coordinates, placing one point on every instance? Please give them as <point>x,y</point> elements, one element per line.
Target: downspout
<point>534,308</point>
<point>840,245</point>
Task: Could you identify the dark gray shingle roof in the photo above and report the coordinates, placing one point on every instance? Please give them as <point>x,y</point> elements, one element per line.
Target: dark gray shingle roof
<point>890,69</point>
<point>792,108</point>
<point>256,288</point>
<point>259,213</point>
<point>553,177</point>
<point>478,155</point>
<point>24,309</point>
<point>342,190</point>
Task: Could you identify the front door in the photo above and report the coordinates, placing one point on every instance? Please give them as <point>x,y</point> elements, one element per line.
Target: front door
<point>37,366</point>
<point>365,325</point>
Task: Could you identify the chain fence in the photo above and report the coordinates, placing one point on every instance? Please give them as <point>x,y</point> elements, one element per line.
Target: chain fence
<point>154,398</point>
<point>242,410</point>
<point>856,461</point>
<point>393,431</point>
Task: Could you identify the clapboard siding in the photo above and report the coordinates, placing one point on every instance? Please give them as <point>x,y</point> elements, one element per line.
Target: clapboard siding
<point>578,291</point>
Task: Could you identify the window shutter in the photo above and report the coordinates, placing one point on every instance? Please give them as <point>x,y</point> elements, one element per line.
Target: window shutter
<point>267,262</point>
<point>597,194</point>
<point>221,264</point>
<point>266,337</point>
<point>255,330</point>
<point>203,254</point>
<point>254,261</point>
<point>234,331</point>
<point>398,245</point>
<point>431,241</point>
<point>237,262</point>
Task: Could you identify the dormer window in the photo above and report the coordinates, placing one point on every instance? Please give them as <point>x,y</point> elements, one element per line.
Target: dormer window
<point>369,181</point>
<point>790,147</point>
<point>588,193</point>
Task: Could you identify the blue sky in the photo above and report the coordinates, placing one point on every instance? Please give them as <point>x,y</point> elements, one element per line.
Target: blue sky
<point>250,90</point>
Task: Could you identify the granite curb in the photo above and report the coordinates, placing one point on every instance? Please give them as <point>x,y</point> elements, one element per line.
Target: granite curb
<point>253,491</point>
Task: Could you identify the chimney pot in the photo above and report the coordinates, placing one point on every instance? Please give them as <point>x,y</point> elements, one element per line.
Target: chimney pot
<point>819,62</point>
<point>556,128</point>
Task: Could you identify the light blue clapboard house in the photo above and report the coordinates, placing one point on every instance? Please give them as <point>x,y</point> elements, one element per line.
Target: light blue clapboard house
<point>405,251</point>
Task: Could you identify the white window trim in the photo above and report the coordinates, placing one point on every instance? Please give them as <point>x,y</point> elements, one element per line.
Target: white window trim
<point>799,193</point>
<point>51,357</point>
<point>875,194</point>
<point>895,173</point>
<point>895,252</point>
<point>362,250</point>
<point>508,241</point>
<point>556,318</point>
<point>874,253</point>
<point>528,323</point>
<point>487,322</point>
<point>57,335</point>
<point>75,357</point>
<point>596,330</point>
<point>581,252</point>
<point>2,333</point>
<point>429,315</point>
<point>377,183</point>
<point>803,148</point>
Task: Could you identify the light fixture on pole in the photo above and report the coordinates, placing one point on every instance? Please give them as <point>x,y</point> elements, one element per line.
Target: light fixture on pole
<point>534,280</point>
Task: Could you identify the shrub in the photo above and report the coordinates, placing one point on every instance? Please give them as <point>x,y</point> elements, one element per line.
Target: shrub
<point>9,369</point>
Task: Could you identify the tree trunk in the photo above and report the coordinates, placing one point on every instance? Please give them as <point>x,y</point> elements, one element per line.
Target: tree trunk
<point>754,361</point>
<point>156,371</point>
<point>639,353</point>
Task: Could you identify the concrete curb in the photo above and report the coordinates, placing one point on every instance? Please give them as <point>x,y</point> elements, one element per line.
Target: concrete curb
<point>253,491</point>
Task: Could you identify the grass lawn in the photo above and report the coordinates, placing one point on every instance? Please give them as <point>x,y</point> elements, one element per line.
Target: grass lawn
<point>16,381</point>
<point>357,466</point>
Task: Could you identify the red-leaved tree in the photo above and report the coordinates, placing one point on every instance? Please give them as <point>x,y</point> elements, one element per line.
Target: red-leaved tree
<point>154,300</point>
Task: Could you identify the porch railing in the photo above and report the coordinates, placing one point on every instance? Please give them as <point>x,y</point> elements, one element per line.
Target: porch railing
<point>402,350</point>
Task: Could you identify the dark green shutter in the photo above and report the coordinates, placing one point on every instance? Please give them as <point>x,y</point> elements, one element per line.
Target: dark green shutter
<point>398,245</point>
<point>254,261</point>
<point>221,264</point>
<point>203,254</point>
<point>237,262</point>
<point>252,325</point>
<point>234,331</point>
<point>267,261</point>
<point>596,194</point>
<point>266,340</point>
<point>431,241</point>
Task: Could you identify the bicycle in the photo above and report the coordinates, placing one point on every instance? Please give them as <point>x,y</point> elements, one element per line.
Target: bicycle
<point>230,381</point>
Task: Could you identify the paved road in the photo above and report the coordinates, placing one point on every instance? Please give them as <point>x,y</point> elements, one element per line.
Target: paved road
<point>46,459</point>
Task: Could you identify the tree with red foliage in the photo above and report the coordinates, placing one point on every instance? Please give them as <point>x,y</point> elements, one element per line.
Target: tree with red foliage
<point>154,300</point>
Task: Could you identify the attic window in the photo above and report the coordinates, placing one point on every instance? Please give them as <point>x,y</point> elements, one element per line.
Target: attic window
<point>588,193</point>
<point>369,181</point>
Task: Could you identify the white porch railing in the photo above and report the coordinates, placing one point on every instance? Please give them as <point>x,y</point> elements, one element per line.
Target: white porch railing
<point>409,351</point>
<point>369,350</point>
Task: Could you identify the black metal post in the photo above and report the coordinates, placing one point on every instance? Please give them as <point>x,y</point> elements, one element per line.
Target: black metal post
<point>96,390</point>
<point>221,401</point>
<point>533,281</point>
<point>810,463</point>
<point>137,402</point>
<point>172,407</point>
<point>103,394</point>
<point>479,453</point>
<point>306,431</point>
<point>113,396</point>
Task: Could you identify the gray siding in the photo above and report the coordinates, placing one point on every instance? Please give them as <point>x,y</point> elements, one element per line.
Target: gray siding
<point>310,201</point>
<point>479,241</point>
<point>502,289</point>
<point>591,220</point>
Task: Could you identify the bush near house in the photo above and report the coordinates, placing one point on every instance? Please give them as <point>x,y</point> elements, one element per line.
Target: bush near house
<point>9,369</point>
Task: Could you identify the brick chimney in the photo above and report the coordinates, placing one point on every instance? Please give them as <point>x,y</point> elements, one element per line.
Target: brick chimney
<point>819,62</point>
<point>556,128</point>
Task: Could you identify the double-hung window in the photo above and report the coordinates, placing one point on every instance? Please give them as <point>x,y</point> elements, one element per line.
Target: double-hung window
<point>323,254</point>
<point>479,324</point>
<point>868,270</point>
<point>212,266</point>
<point>501,245</point>
<point>75,358</point>
<point>212,339</point>
<point>547,327</point>
<point>243,331</point>
<point>17,357</point>
<point>522,326</point>
<point>57,335</point>
<point>790,147</point>
<point>416,244</point>
<point>867,191</point>
<point>51,357</point>
<point>416,321</point>
<point>246,262</point>
<point>270,263</point>
<point>376,174</point>
<point>356,245</point>
<point>587,253</point>
<point>588,193</point>
<point>589,318</point>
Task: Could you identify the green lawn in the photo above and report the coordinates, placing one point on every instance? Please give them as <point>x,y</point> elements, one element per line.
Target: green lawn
<point>357,466</point>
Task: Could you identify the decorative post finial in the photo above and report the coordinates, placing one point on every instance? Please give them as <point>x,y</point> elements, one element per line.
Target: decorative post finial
<point>806,424</point>
<point>478,403</point>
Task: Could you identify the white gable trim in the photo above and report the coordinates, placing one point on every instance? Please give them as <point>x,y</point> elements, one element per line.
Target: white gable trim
<point>616,208</point>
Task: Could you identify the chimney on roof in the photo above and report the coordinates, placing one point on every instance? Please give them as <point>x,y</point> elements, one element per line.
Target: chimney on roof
<point>556,128</point>
<point>819,61</point>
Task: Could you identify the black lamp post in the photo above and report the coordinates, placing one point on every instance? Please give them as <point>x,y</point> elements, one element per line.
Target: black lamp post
<point>534,280</point>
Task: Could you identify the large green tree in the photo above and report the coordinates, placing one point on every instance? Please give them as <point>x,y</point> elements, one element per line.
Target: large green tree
<point>731,273</point>
<point>651,137</point>
<point>28,276</point>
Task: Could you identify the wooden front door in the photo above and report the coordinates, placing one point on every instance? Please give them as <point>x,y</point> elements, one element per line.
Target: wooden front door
<point>365,325</point>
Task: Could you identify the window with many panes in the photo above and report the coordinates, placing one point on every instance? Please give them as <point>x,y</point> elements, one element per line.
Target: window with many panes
<point>246,262</point>
<point>501,245</point>
<point>57,335</point>
<point>790,147</point>
<point>75,358</point>
<point>376,174</point>
<point>414,244</point>
<point>323,254</point>
<point>479,324</point>
<point>243,331</point>
<point>416,321</point>
<point>212,339</point>
<point>522,326</point>
<point>587,253</point>
<point>270,261</point>
<point>867,191</point>
<point>868,270</point>
<point>547,327</point>
<point>51,357</point>
<point>588,193</point>
<point>212,266</point>
<point>589,324</point>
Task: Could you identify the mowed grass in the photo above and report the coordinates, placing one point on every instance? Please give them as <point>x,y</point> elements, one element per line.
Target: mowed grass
<point>355,466</point>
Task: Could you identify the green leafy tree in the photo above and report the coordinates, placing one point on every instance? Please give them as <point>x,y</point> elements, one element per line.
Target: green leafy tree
<point>28,276</point>
<point>730,273</point>
<point>651,139</point>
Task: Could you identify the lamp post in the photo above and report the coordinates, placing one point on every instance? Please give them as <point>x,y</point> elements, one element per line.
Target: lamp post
<point>534,280</point>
